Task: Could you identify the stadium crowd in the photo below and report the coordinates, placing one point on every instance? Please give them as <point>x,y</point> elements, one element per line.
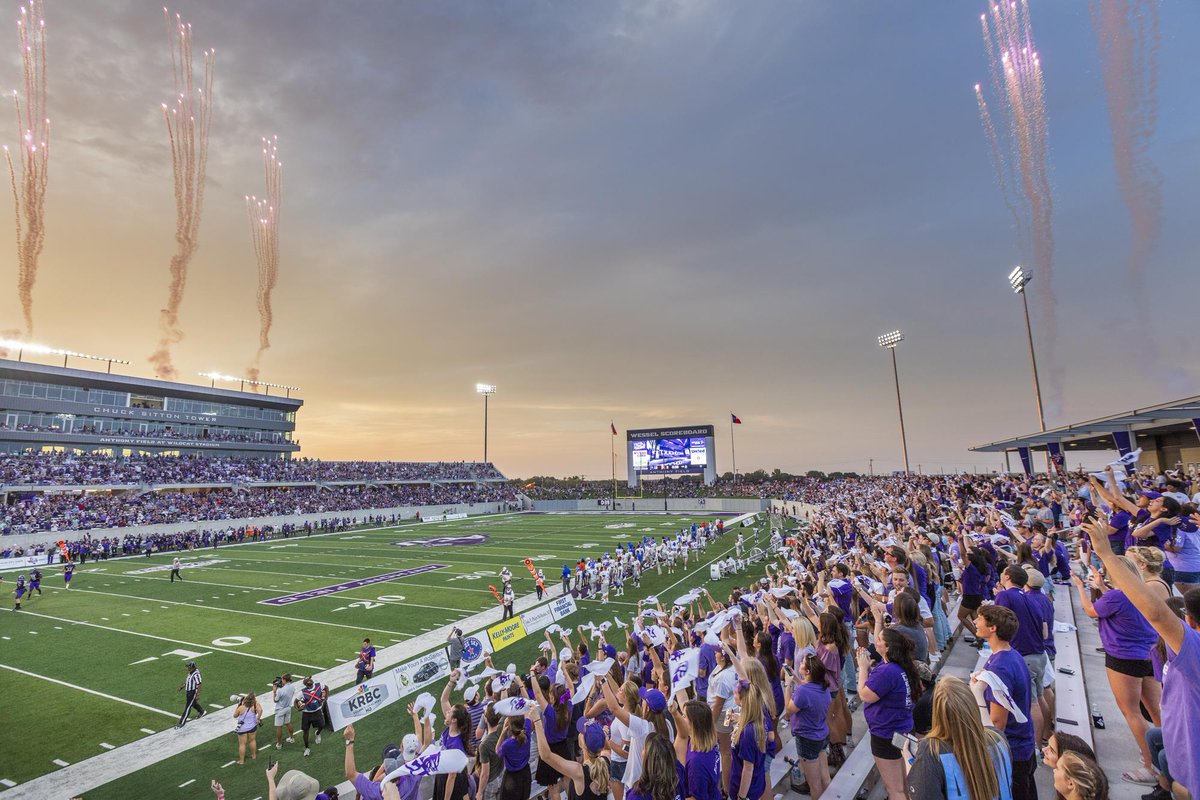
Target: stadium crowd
<point>163,433</point>
<point>67,469</point>
<point>694,697</point>
<point>801,489</point>
<point>57,512</point>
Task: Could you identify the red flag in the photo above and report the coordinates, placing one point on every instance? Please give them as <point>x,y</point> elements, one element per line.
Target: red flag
<point>614,428</point>
<point>736,421</point>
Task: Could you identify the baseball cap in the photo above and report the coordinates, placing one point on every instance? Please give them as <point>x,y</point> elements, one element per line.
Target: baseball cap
<point>1151,495</point>
<point>390,751</point>
<point>609,650</point>
<point>412,746</point>
<point>564,654</point>
<point>471,693</point>
<point>594,738</point>
<point>1036,579</point>
<point>191,664</point>
<point>655,699</point>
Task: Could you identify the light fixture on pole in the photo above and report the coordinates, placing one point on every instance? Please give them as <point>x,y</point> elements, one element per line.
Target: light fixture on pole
<point>1018,279</point>
<point>889,341</point>
<point>485,389</point>
<point>213,377</point>
<point>29,347</point>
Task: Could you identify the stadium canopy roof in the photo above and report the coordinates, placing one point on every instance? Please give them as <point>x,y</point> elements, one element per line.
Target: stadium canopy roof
<point>1096,434</point>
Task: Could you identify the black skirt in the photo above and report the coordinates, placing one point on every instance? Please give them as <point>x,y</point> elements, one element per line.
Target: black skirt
<point>515,785</point>
<point>548,775</point>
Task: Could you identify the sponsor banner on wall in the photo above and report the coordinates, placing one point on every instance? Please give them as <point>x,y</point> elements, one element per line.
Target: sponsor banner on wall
<point>443,517</point>
<point>537,618</point>
<point>563,607</point>
<point>475,647</point>
<point>420,672</point>
<point>506,633</point>
<point>351,705</point>
<point>23,562</point>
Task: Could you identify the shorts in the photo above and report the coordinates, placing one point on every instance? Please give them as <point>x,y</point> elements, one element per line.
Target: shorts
<point>548,775</point>
<point>1037,665</point>
<point>312,719</point>
<point>283,716</point>
<point>882,747</point>
<point>616,770</point>
<point>810,749</point>
<point>1133,667</point>
<point>972,602</point>
<point>1182,576</point>
<point>241,732</point>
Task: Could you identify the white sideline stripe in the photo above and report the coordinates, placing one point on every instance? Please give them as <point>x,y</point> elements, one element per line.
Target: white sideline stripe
<point>61,763</point>
<point>187,783</point>
<point>108,746</point>
<point>228,764</point>
<point>89,691</point>
<point>173,641</point>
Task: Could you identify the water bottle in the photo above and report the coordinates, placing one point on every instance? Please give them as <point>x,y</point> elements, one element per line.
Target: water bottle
<point>1097,718</point>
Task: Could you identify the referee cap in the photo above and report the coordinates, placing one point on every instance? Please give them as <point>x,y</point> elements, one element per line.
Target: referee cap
<point>191,665</point>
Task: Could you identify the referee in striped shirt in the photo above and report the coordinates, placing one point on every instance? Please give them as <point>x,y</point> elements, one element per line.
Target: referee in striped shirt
<point>192,687</point>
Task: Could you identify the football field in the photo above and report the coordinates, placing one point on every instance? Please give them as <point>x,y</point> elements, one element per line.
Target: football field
<point>97,666</point>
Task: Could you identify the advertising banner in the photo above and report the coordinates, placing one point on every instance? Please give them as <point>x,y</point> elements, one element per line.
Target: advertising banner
<point>475,647</point>
<point>420,672</point>
<point>537,618</point>
<point>506,633</point>
<point>563,607</point>
<point>351,705</point>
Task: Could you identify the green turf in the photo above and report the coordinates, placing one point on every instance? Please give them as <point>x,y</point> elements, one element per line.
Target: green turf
<point>145,618</point>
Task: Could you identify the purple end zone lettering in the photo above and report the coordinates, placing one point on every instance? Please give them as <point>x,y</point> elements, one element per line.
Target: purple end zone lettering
<point>288,599</point>
<point>444,541</point>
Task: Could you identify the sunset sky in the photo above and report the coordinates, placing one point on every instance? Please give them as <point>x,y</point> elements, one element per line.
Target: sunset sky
<point>652,212</point>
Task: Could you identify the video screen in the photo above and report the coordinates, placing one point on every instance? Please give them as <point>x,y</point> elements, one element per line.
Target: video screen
<point>686,454</point>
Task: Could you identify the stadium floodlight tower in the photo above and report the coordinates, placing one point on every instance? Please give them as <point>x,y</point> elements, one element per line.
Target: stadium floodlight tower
<point>889,341</point>
<point>1019,279</point>
<point>485,389</point>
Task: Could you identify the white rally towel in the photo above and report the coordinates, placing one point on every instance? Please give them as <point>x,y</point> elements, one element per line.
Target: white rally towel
<point>783,591</point>
<point>683,665</point>
<point>434,761</point>
<point>656,634</point>
<point>424,704</point>
<point>620,624</point>
<point>1001,694</point>
<point>502,682</point>
<point>513,706</point>
<point>554,627</point>
<point>602,667</point>
<point>581,692</point>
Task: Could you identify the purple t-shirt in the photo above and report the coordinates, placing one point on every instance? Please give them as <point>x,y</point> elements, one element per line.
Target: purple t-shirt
<point>1028,640</point>
<point>746,755</point>
<point>1181,711</point>
<point>1045,606</point>
<point>409,786</point>
<point>785,648</point>
<point>1124,632</point>
<point>1120,521</point>
<point>972,581</point>
<point>812,704</point>
<point>550,726</point>
<point>514,754</point>
<point>892,713</point>
<point>708,662</point>
<point>703,774</point>
<point>1010,667</point>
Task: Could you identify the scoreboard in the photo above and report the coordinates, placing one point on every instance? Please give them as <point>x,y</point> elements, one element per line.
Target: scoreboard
<point>671,451</point>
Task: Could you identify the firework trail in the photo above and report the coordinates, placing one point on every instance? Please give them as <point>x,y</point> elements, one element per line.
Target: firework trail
<point>264,233</point>
<point>1017,135</point>
<point>1128,39</point>
<point>187,129</point>
<point>28,183</point>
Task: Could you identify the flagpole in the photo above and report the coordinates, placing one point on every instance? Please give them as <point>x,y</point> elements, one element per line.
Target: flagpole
<point>612,446</point>
<point>733,447</point>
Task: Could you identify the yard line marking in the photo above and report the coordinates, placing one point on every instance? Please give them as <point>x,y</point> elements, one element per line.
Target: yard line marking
<point>7,783</point>
<point>227,764</point>
<point>174,641</point>
<point>108,746</point>
<point>89,691</point>
<point>33,633</point>
<point>187,783</point>
<point>62,763</point>
<point>58,627</point>
<point>9,638</point>
<point>147,730</point>
<point>275,617</point>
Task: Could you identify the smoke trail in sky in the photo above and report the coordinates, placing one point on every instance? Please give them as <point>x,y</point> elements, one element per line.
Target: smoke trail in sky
<point>188,121</point>
<point>264,233</point>
<point>1017,135</point>
<point>29,181</point>
<point>1128,39</point>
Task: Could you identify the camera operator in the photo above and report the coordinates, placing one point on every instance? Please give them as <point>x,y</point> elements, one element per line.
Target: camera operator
<point>454,649</point>
<point>283,693</point>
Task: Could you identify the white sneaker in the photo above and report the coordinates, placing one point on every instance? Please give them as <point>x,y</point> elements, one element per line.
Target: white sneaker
<point>307,752</point>
<point>318,738</point>
<point>290,740</point>
<point>278,746</point>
